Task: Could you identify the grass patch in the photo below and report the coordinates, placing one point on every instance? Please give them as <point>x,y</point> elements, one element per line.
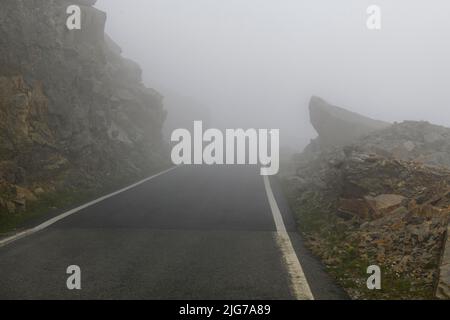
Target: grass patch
<point>328,238</point>
<point>54,203</point>
<point>44,205</point>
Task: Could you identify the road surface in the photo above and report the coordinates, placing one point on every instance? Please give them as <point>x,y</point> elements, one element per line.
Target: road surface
<point>195,232</point>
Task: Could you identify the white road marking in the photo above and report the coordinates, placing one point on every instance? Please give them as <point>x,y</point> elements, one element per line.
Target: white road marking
<point>48,223</point>
<point>299,282</point>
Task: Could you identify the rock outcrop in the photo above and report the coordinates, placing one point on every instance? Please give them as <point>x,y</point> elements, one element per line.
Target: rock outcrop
<point>443,288</point>
<point>368,203</point>
<point>337,126</point>
<point>73,112</point>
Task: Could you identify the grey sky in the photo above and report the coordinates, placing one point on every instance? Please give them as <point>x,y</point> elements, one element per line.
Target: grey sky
<point>256,63</point>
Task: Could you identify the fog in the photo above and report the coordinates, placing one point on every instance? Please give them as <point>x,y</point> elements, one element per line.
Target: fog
<point>256,63</point>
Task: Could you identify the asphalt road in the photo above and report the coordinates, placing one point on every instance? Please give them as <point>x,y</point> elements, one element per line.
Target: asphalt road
<point>196,232</point>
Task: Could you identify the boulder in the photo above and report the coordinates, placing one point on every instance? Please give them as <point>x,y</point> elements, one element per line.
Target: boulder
<point>384,203</point>
<point>337,126</point>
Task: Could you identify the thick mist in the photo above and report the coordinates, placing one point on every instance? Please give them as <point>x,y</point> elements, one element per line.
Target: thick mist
<point>256,63</point>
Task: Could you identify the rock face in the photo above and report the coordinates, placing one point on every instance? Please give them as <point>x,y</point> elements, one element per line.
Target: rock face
<point>366,203</point>
<point>337,126</point>
<point>443,289</point>
<point>73,111</point>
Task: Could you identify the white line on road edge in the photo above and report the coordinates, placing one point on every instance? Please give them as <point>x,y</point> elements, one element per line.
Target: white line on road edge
<point>48,223</point>
<point>299,283</point>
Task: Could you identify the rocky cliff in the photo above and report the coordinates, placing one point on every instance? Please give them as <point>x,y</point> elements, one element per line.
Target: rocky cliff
<point>74,113</point>
<point>382,198</point>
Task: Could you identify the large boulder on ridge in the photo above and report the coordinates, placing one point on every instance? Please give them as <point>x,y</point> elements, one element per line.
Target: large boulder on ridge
<point>337,126</point>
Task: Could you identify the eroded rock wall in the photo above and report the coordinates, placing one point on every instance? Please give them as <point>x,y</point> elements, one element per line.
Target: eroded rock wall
<point>73,111</point>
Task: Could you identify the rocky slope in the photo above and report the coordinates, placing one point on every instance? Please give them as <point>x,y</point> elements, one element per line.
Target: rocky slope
<point>382,198</point>
<point>74,113</point>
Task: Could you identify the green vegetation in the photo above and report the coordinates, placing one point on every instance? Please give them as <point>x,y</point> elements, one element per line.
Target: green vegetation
<point>57,202</point>
<point>44,205</point>
<point>329,239</point>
